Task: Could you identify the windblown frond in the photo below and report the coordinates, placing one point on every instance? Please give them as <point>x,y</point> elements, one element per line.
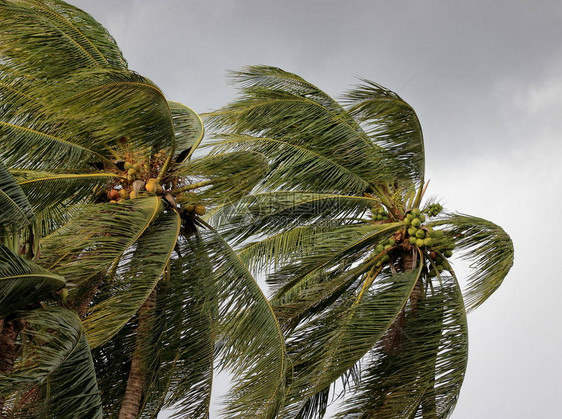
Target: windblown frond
<point>271,212</point>
<point>14,205</point>
<point>91,242</point>
<point>109,107</point>
<point>296,165</point>
<point>422,377</point>
<point>50,38</point>
<point>323,349</point>
<point>489,249</point>
<point>225,177</point>
<point>392,124</point>
<point>46,191</point>
<point>180,372</point>
<point>139,274</point>
<point>188,128</point>
<point>281,106</point>
<point>57,364</point>
<point>251,343</point>
<point>23,282</point>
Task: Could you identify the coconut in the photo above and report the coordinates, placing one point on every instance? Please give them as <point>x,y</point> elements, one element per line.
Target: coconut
<point>200,209</point>
<point>131,171</point>
<point>113,195</point>
<point>133,195</point>
<point>415,212</point>
<point>128,165</point>
<point>448,253</point>
<point>420,234</point>
<point>419,242</point>
<point>123,193</point>
<point>152,185</point>
<point>137,167</point>
<point>416,222</point>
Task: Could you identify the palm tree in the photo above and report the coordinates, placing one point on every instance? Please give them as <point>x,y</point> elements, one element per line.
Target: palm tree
<point>104,162</point>
<point>358,260</point>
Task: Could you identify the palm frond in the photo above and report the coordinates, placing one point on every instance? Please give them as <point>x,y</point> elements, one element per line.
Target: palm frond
<point>392,124</point>
<point>23,282</point>
<point>272,212</point>
<point>135,281</point>
<point>50,38</point>
<point>323,349</point>
<point>56,361</point>
<point>97,238</point>
<point>188,128</point>
<point>180,372</point>
<point>46,191</point>
<point>109,107</point>
<point>251,343</point>
<point>14,205</point>
<point>279,105</point>
<point>487,247</point>
<point>227,176</point>
<point>331,252</point>
<point>422,377</point>
<point>296,165</point>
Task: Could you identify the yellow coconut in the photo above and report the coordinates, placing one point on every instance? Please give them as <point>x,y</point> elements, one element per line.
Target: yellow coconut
<point>123,193</point>
<point>200,209</point>
<point>152,185</point>
<point>133,195</point>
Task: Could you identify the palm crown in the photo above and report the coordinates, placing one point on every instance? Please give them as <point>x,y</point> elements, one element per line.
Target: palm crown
<point>96,164</point>
<point>358,261</point>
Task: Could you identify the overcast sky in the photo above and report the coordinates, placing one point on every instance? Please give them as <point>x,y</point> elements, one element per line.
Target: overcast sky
<point>486,81</point>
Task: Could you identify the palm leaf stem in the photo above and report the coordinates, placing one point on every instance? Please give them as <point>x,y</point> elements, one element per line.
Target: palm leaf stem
<point>192,186</point>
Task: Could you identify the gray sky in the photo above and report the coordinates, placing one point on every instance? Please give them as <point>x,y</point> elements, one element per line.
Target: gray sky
<point>485,79</point>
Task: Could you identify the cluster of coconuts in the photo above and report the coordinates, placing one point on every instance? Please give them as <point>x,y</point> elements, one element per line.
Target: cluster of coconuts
<point>420,236</point>
<point>134,173</point>
<point>379,215</point>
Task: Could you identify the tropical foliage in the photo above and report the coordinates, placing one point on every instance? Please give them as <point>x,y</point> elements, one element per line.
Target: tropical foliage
<point>357,258</point>
<point>108,274</point>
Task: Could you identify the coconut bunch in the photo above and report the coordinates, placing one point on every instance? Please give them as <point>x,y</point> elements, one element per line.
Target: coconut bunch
<point>436,245</point>
<point>136,173</point>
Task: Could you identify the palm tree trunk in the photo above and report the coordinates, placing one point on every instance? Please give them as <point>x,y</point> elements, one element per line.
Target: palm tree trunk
<point>133,394</point>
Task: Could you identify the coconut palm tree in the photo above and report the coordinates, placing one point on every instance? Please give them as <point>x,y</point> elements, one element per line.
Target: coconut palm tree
<point>358,258</point>
<point>104,163</point>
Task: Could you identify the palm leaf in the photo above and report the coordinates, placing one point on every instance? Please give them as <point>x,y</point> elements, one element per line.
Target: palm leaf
<point>188,128</point>
<point>225,177</point>
<point>56,357</point>
<point>49,38</point>
<point>97,238</point>
<point>421,378</point>
<point>251,343</point>
<point>391,123</point>
<point>296,166</point>
<point>134,281</point>
<point>108,107</point>
<point>46,191</point>
<point>325,348</point>
<point>280,105</point>
<point>271,212</point>
<point>14,205</point>
<point>23,282</point>
<point>489,249</point>
<point>180,372</point>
